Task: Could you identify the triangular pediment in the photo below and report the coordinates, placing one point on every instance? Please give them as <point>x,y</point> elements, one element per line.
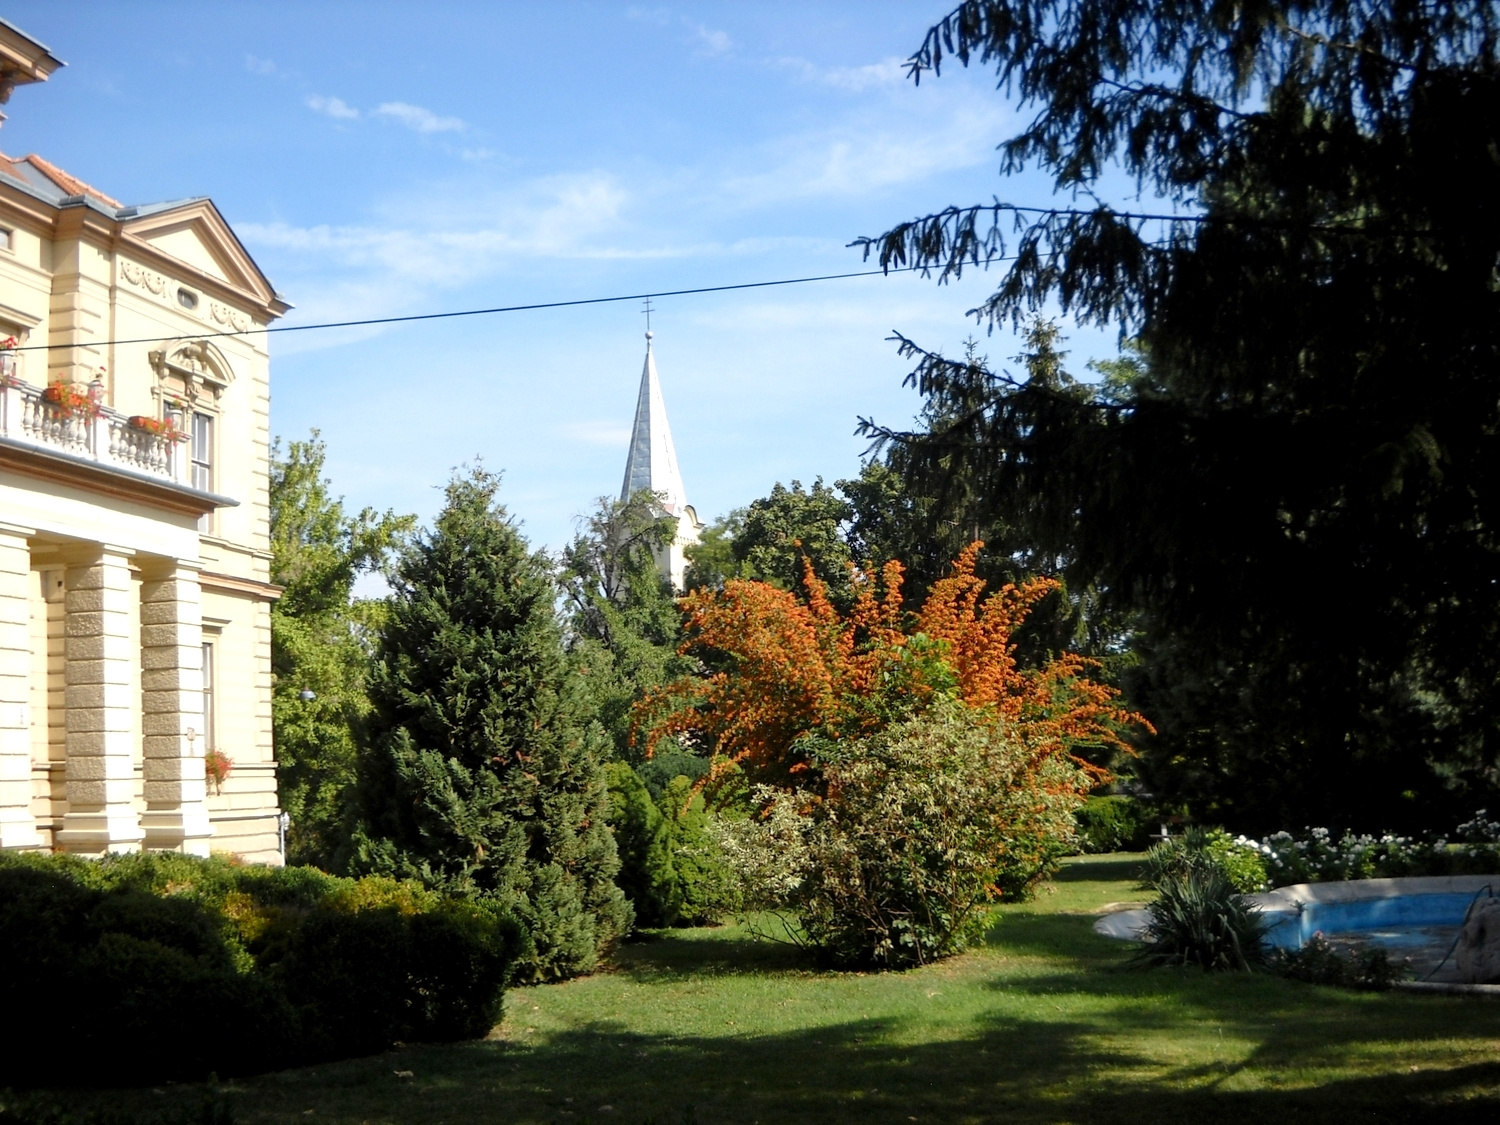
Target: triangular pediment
<point>196,235</point>
<point>188,244</point>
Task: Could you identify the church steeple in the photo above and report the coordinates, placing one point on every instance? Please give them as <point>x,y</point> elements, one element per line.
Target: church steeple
<point>652,465</point>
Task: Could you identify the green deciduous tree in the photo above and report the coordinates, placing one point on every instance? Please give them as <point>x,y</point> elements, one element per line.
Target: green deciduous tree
<point>319,641</point>
<point>791,524</point>
<point>482,772</point>
<point>1293,482</point>
<point>767,541</point>
<point>623,624</point>
<point>711,560</point>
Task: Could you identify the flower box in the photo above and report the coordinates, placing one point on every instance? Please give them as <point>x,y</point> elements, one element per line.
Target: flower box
<point>75,400</point>
<point>217,766</point>
<point>10,362</point>
<point>161,427</point>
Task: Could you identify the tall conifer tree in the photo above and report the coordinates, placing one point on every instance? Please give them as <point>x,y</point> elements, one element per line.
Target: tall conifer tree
<point>1292,485</point>
<point>481,772</point>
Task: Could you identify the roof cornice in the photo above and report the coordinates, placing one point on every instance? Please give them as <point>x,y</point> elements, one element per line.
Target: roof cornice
<point>22,59</point>
<point>122,484</point>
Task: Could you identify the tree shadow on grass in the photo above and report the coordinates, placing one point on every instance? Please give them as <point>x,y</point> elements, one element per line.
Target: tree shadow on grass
<point>1076,1038</point>
<point>712,953</point>
<point>1293,1026</point>
<point>1129,867</point>
<point>859,1071</point>
<point>1072,936</point>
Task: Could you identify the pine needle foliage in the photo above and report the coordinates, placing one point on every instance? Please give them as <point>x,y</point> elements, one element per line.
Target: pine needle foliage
<point>1290,487</point>
<point>481,772</point>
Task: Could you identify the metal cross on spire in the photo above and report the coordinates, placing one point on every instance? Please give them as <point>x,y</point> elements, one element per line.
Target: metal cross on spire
<point>647,311</point>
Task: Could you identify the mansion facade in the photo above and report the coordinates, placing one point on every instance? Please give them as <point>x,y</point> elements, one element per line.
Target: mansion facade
<point>135,593</point>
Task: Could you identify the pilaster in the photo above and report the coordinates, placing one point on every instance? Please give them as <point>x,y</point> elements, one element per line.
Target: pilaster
<point>176,816</point>
<point>100,654</point>
<point>17,824</point>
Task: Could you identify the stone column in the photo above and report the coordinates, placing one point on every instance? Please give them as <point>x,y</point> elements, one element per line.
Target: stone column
<point>17,824</point>
<point>176,817</point>
<point>100,703</point>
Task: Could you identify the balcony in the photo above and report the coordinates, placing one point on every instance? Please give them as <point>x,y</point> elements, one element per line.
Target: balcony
<point>97,435</point>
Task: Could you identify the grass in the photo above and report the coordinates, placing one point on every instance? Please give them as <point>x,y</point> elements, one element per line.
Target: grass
<point>1040,1025</point>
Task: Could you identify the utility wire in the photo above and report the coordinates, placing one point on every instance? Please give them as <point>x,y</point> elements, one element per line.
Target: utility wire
<point>476,312</point>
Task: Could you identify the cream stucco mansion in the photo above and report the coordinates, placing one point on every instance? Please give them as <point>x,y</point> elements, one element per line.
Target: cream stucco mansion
<point>134,518</point>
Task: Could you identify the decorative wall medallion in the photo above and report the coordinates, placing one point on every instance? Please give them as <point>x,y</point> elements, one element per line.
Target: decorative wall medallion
<point>143,278</point>
<point>228,317</point>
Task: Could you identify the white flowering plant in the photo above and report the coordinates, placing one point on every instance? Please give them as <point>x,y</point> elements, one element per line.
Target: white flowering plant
<point>1318,856</point>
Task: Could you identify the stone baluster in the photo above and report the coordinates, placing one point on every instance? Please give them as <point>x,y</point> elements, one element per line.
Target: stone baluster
<point>98,424</point>
<point>99,652</point>
<point>17,824</point>
<point>176,817</point>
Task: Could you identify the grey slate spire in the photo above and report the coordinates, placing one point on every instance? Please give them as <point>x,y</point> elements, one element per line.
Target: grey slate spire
<point>652,465</point>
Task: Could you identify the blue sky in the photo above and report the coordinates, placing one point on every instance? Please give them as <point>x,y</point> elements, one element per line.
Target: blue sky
<point>387,159</point>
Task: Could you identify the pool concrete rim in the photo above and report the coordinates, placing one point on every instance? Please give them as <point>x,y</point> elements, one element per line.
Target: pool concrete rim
<point>1364,890</point>
<point>1285,903</point>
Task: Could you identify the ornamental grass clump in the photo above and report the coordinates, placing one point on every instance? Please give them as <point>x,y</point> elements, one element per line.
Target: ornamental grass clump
<point>1197,919</point>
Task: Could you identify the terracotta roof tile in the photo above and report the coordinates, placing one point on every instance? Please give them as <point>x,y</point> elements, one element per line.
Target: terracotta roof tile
<point>70,184</point>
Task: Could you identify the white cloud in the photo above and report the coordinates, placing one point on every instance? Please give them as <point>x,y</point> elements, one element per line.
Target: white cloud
<point>659,16</point>
<point>334,107</point>
<point>886,73</point>
<point>611,433</point>
<point>710,40</point>
<point>261,66</point>
<point>416,248</point>
<point>444,243</point>
<point>448,237</point>
<point>422,120</point>
<point>868,153</point>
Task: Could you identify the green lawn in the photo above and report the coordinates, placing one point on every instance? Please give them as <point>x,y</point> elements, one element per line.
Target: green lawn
<point>1042,1024</point>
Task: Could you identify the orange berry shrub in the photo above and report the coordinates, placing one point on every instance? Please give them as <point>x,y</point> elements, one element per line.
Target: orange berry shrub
<point>929,771</point>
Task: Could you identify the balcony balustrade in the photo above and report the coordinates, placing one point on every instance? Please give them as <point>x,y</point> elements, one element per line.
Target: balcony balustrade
<point>99,435</point>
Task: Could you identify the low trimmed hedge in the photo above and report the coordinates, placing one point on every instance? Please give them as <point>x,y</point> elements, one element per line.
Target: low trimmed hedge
<point>1114,824</point>
<point>141,968</point>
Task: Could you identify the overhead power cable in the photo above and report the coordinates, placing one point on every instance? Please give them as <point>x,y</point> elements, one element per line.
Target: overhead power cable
<point>479,312</point>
